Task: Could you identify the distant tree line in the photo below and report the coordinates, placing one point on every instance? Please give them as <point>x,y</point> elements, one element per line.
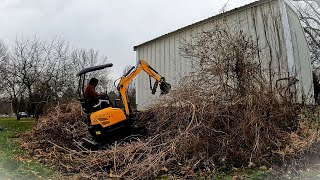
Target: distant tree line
<point>37,74</point>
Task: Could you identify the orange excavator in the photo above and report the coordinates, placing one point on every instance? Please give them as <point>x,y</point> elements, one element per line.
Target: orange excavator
<point>104,116</point>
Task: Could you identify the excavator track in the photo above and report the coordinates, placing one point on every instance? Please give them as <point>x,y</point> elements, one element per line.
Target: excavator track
<point>125,134</point>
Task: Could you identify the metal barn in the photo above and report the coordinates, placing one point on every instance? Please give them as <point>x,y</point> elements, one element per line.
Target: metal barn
<point>275,26</point>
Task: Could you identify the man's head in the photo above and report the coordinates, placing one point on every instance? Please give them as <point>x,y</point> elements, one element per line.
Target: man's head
<point>93,82</point>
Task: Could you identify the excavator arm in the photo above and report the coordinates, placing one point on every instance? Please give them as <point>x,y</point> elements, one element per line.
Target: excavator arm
<point>132,73</point>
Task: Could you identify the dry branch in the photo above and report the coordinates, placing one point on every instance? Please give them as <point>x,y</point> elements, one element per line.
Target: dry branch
<point>225,113</point>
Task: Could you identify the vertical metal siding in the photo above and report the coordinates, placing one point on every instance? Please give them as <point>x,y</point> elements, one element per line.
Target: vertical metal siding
<point>167,71</point>
<point>177,60</point>
<point>302,59</point>
<point>183,37</point>
<point>171,59</point>
<point>263,22</point>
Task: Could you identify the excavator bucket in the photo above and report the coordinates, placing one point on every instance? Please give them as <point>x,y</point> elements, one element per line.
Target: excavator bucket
<point>165,88</point>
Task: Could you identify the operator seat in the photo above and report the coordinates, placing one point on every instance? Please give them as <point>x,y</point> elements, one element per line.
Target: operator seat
<point>95,104</point>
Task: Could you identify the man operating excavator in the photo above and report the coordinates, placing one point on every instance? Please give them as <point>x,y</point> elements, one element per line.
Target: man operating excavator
<point>97,100</point>
<point>90,91</point>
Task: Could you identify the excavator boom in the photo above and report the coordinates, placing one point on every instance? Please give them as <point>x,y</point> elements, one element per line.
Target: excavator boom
<point>132,73</point>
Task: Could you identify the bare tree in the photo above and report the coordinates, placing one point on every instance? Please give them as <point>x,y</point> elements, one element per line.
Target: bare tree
<point>309,12</point>
<point>3,52</point>
<point>3,59</point>
<point>43,73</point>
<point>82,58</point>
<point>40,70</point>
<point>9,81</point>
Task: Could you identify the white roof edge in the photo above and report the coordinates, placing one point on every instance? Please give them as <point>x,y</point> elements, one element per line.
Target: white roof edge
<point>253,4</point>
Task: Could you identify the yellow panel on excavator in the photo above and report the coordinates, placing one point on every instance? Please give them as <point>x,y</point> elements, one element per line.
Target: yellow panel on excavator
<point>107,117</point>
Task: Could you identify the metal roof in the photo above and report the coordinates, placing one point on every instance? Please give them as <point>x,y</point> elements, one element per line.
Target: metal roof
<point>256,3</point>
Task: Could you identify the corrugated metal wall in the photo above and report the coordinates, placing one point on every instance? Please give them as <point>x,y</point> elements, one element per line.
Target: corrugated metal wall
<point>301,63</point>
<point>264,21</point>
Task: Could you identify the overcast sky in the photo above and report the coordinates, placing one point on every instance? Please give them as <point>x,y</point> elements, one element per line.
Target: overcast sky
<point>111,26</point>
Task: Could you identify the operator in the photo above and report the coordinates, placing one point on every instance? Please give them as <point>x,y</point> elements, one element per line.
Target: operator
<point>92,96</point>
<point>90,90</point>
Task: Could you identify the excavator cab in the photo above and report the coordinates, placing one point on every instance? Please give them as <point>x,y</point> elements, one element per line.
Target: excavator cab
<point>104,119</point>
<point>92,105</point>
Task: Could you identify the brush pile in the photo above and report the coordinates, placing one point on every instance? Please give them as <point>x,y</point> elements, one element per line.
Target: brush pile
<point>224,113</point>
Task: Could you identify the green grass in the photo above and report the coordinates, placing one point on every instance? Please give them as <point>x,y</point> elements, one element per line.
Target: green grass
<point>12,166</point>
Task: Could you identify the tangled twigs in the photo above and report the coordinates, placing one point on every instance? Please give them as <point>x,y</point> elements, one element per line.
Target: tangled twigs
<point>225,113</point>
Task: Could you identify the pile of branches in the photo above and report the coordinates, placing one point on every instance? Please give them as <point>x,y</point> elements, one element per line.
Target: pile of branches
<point>63,125</point>
<point>224,113</point>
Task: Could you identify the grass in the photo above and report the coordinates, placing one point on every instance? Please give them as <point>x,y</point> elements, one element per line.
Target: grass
<point>246,174</point>
<point>13,164</point>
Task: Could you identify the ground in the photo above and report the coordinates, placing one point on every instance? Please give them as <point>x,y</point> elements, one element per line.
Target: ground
<point>13,164</point>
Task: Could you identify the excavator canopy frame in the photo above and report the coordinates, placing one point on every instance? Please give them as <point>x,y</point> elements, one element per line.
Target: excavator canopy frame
<point>82,77</point>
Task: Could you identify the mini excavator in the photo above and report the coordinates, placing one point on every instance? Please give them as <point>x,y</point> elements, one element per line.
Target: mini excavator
<point>104,116</point>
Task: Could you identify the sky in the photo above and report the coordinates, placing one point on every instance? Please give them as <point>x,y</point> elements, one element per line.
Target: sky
<point>112,27</point>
